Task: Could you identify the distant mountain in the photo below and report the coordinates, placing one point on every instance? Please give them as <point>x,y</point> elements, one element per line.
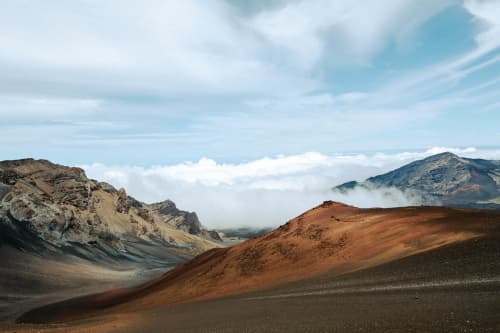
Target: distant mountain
<point>244,232</point>
<point>442,179</point>
<point>49,208</point>
<point>186,221</point>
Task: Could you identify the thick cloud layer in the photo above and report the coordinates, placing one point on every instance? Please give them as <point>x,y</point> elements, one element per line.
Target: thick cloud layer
<point>268,191</point>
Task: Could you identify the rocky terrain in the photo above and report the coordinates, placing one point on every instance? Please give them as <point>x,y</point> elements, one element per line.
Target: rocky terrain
<point>443,179</point>
<point>302,261</point>
<point>186,221</point>
<point>453,288</point>
<point>54,216</point>
<point>46,207</point>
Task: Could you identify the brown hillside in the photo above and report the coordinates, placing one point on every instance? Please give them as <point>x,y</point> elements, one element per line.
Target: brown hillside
<point>332,237</point>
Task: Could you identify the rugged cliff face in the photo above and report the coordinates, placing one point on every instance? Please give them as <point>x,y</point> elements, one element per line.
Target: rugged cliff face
<point>443,179</point>
<point>186,221</point>
<point>47,208</point>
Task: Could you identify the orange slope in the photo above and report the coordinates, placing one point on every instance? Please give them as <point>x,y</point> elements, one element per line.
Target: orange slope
<point>332,237</point>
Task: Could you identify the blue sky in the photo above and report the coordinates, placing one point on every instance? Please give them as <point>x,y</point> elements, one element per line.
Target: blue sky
<point>118,82</point>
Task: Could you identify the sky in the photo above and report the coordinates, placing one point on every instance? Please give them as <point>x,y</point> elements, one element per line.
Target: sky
<point>164,83</point>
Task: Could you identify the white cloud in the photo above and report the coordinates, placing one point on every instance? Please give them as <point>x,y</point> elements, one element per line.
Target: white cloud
<point>158,48</point>
<point>191,47</point>
<point>268,191</point>
<point>355,30</point>
<point>488,13</point>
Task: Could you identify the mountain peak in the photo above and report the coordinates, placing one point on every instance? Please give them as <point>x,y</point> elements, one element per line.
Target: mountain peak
<point>443,156</point>
<point>442,179</point>
<point>334,204</point>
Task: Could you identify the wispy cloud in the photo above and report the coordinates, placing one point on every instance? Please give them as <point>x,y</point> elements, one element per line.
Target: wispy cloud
<point>486,15</point>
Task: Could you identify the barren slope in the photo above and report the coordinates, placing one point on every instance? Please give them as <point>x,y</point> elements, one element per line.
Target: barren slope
<point>332,238</point>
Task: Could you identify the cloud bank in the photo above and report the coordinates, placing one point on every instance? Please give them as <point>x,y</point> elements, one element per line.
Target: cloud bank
<point>267,191</point>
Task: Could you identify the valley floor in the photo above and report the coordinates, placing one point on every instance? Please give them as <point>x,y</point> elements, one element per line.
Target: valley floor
<point>28,281</point>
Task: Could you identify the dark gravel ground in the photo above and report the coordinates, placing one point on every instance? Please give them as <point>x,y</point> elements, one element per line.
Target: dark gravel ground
<point>451,289</point>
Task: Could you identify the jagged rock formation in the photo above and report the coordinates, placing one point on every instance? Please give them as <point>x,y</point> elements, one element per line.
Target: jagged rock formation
<point>443,179</point>
<point>50,208</point>
<point>187,221</point>
<point>122,203</point>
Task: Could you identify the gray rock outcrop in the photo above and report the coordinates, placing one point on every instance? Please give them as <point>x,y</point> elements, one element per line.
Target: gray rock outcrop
<point>180,219</point>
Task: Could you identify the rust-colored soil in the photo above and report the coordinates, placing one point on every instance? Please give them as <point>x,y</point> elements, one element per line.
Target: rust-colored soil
<point>332,237</point>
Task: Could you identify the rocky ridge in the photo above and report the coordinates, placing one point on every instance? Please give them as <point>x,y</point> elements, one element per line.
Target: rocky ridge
<point>183,220</point>
<point>443,179</point>
<point>50,208</point>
